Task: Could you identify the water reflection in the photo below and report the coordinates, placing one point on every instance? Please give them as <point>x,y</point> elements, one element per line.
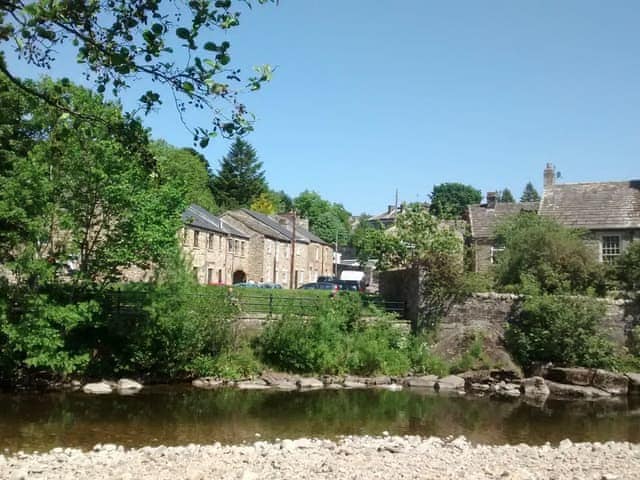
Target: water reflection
<point>181,415</point>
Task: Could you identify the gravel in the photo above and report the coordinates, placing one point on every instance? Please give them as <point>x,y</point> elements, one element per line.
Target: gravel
<point>386,457</point>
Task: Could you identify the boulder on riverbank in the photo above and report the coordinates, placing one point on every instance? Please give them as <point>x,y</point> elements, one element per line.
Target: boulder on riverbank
<point>577,392</point>
<point>609,382</point>
<point>127,386</point>
<point>207,382</point>
<point>534,387</point>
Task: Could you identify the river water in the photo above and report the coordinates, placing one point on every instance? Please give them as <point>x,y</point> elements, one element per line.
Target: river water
<point>171,415</point>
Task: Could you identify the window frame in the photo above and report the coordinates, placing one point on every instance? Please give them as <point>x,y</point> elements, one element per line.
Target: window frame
<point>610,252</point>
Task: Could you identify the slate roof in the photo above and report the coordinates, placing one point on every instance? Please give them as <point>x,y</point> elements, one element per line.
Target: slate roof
<point>275,225</point>
<point>483,220</point>
<point>305,233</point>
<point>197,216</point>
<point>593,206</point>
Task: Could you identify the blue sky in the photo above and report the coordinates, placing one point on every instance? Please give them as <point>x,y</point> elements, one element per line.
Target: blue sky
<point>373,96</point>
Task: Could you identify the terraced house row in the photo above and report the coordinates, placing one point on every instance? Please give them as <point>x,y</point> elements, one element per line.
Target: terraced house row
<point>247,246</point>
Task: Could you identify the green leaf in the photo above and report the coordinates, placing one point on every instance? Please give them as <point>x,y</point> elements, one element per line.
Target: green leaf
<point>188,87</point>
<point>157,28</point>
<point>183,33</point>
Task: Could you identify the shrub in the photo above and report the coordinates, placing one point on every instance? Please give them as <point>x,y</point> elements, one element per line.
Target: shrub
<point>628,268</point>
<point>551,255</point>
<point>422,360</point>
<point>474,357</point>
<point>559,329</point>
<point>377,348</point>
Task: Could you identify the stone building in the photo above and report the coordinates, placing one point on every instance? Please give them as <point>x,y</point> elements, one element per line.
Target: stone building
<point>483,220</point>
<point>219,253</point>
<point>608,211</point>
<point>271,248</point>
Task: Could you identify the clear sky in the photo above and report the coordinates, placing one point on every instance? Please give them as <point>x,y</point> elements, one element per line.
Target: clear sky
<point>371,96</point>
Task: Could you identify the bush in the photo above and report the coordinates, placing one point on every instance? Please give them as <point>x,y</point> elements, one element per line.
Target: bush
<point>422,360</point>
<point>559,329</point>
<point>547,253</point>
<point>628,268</point>
<point>377,348</point>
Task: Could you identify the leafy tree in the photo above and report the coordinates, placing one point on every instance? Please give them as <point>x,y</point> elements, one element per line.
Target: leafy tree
<point>240,178</point>
<point>537,249</point>
<point>559,329</point>
<point>327,220</point>
<point>530,194</point>
<point>283,202</point>
<point>264,204</point>
<point>187,170</point>
<point>628,268</point>
<point>122,41</point>
<point>79,202</point>
<point>506,196</point>
<point>450,200</point>
<point>419,241</point>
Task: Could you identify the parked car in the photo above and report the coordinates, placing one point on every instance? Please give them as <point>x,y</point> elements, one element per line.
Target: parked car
<point>349,285</point>
<point>323,279</point>
<point>319,286</point>
<point>270,285</point>
<point>246,285</point>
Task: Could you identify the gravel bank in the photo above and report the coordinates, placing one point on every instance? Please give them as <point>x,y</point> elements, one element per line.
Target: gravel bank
<point>352,457</point>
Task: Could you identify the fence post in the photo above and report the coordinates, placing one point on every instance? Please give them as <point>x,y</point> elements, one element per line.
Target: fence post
<point>270,304</point>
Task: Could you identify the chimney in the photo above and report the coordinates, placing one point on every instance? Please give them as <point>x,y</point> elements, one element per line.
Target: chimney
<point>492,198</point>
<point>390,208</point>
<point>549,175</point>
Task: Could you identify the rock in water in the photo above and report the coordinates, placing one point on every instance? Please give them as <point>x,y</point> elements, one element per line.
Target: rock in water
<point>99,388</point>
<point>125,384</point>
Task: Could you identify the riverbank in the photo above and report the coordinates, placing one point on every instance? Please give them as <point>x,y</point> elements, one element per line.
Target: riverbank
<point>351,457</point>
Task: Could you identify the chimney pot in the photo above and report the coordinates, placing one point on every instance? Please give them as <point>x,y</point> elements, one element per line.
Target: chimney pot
<point>549,175</point>
<point>492,198</point>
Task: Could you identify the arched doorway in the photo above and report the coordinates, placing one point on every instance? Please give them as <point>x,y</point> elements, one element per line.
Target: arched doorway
<point>239,276</point>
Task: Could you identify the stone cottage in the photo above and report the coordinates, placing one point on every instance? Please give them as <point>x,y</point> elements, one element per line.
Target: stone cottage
<point>608,211</point>
<point>483,220</point>
<point>219,253</point>
<point>271,249</point>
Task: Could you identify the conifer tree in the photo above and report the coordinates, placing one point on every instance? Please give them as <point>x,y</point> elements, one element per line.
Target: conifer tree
<point>506,196</point>
<point>530,194</point>
<point>240,179</point>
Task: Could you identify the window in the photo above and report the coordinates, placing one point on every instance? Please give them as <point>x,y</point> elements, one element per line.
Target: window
<point>242,249</point>
<point>220,243</point>
<point>210,241</point>
<point>610,248</point>
<point>230,245</point>
<point>236,246</point>
<point>185,236</point>
<point>196,238</point>
<point>220,276</point>
<point>210,275</point>
<point>495,254</point>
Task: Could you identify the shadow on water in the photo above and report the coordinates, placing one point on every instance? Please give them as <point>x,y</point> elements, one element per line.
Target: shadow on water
<point>182,415</point>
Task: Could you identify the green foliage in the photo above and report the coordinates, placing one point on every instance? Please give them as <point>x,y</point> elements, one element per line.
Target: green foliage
<point>450,200</point>
<point>539,250</point>
<point>329,221</point>
<point>628,268</point>
<point>560,329</point>
<point>505,196</point>
<point>236,364</point>
<point>120,42</point>
<point>264,203</point>
<point>188,171</point>
<point>474,358</point>
<point>82,190</point>
<point>422,360</point>
<point>374,244</point>
<point>240,179</point>
<point>530,194</point>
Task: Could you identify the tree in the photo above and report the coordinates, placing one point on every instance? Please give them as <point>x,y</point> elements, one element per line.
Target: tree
<point>240,178</point>
<point>628,268</point>
<point>421,242</point>
<point>122,41</point>
<point>506,196</point>
<point>450,200</point>
<point>264,204</point>
<point>84,191</point>
<point>327,220</point>
<point>188,171</point>
<point>530,194</point>
<point>540,251</point>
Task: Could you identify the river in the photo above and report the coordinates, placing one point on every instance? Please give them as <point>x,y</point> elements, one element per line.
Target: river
<point>179,415</point>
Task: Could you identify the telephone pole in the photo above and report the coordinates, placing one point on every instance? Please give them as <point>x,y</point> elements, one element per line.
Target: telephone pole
<point>293,251</point>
